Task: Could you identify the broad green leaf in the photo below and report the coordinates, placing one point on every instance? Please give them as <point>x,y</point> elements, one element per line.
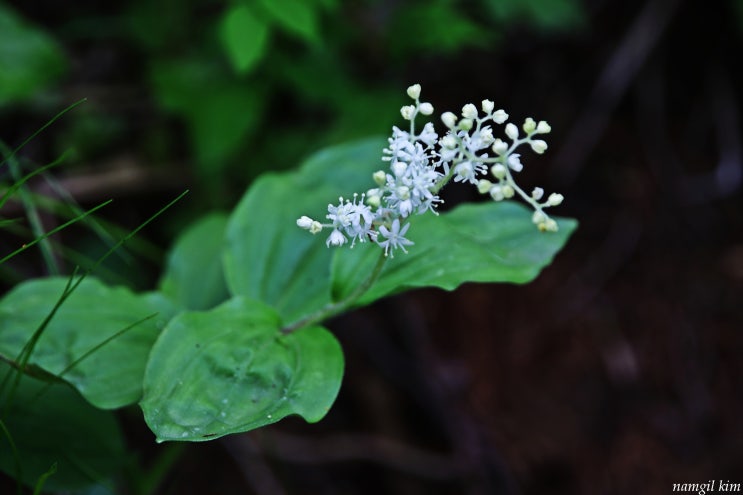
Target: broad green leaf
<point>244,37</point>
<point>268,257</point>
<point>29,59</point>
<point>484,242</point>
<point>193,276</point>
<point>231,370</point>
<point>53,424</point>
<point>295,16</point>
<point>111,375</point>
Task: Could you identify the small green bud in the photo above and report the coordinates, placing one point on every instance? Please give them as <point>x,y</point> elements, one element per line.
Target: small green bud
<point>484,185</point>
<point>380,178</point>
<point>529,125</point>
<point>498,171</point>
<point>508,191</point>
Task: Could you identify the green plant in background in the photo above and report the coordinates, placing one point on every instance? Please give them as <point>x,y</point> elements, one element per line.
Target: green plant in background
<point>233,340</point>
<point>240,307</point>
<point>29,59</point>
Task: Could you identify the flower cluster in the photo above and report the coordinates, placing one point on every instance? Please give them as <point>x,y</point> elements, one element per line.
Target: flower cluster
<point>422,163</point>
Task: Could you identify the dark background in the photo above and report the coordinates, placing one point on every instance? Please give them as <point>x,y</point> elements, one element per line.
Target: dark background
<point>618,371</point>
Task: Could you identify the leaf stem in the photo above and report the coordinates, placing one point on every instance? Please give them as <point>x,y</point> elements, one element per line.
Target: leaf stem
<point>332,309</point>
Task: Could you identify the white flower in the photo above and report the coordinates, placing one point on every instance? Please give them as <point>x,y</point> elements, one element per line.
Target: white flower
<point>428,135</point>
<point>487,106</point>
<point>394,237</point>
<point>335,239</point>
<point>512,131</point>
<point>537,193</point>
<point>514,162</point>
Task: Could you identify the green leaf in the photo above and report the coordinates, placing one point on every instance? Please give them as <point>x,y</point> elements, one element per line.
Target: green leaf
<point>220,112</point>
<point>438,27</point>
<point>231,370</point>
<point>52,424</point>
<point>548,15</point>
<point>108,376</point>
<point>267,256</point>
<point>485,242</point>
<point>29,59</point>
<point>295,16</point>
<point>193,276</point>
<point>244,37</point>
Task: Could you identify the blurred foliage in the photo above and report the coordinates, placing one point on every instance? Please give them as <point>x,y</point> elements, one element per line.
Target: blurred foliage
<point>29,58</point>
<point>258,84</point>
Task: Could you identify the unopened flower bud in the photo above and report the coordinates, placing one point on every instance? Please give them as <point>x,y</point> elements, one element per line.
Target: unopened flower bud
<point>466,124</point>
<point>315,227</point>
<point>529,125</point>
<point>449,119</point>
<point>487,106</point>
<point>380,177</point>
<point>496,192</point>
<point>407,112</point>
<point>543,127</point>
<point>500,146</point>
<point>304,222</point>
<point>500,116</point>
<point>426,108</point>
<point>555,199</point>
<point>498,171</point>
<point>508,191</point>
<point>538,146</point>
<point>484,185</point>
<point>537,193</point>
<point>414,91</point>
<point>538,217</point>
<point>512,131</point>
<point>469,111</point>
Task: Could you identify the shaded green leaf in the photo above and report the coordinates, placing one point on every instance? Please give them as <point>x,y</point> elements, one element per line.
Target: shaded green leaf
<point>219,112</point>
<point>237,372</point>
<point>53,424</point>
<point>267,256</point>
<point>193,276</point>
<point>108,376</point>
<point>244,37</point>
<point>29,59</point>
<point>295,16</point>
<point>485,242</point>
